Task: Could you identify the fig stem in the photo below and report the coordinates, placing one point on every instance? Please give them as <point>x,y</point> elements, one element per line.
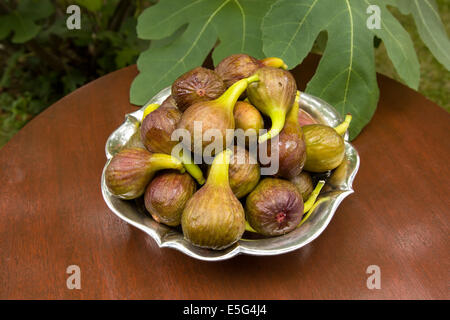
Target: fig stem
<point>248,227</point>
<point>159,161</point>
<point>293,113</point>
<point>274,62</point>
<point>252,78</point>
<point>218,174</point>
<point>232,94</point>
<point>278,118</point>
<point>342,128</point>
<point>313,196</point>
<point>311,201</point>
<point>149,109</point>
<point>191,167</point>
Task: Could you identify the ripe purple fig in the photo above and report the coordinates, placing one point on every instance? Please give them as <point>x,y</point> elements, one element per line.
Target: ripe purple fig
<point>291,148</point>
<point>239,66</point>
<point>199,84</point>
<point>274,207</point>
<point>167,195</point>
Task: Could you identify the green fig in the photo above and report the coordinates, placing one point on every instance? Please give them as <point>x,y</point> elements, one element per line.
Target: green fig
<point>199,84</point>
<point>167,195</point>
<point>130,170</point>
<point>213,217</point>
<point>325,148</point>
<point>304,184</point>
<point>291,147</point>
<point>273,95</point>
<point>239,66</point>
<point>274,207</point>
<point>213,116</point>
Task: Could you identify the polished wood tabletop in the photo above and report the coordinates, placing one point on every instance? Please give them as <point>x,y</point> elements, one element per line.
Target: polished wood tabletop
<point>52,214</point>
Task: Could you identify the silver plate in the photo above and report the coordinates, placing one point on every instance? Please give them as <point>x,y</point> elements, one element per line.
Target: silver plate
<point>338,186</point>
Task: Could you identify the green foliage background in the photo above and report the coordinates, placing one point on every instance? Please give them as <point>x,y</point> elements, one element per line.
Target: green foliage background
<point>42,61</point>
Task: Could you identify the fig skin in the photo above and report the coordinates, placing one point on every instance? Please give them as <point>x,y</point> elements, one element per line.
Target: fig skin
<point>304,184</point>
<point>247,117</point>
<point>325,148</point>
<point>274,207</point>
<point>273,95</point>
<point>244,172</point>
<point>291,146</point>
<point>130,170</point>
<point>236,67</point>
<point>239,66</point>
<point>169,102</point>
<point>215,115</point>
<point>157,128</point>
<point>167,195</point>
<point>304,118</point>
<point>214,218</point>
<point>199,84</point>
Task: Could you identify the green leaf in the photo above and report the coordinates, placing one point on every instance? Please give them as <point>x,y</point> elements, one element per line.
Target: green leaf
<point>346,75</point>
<point>399,45</point>
<point>234,23</point>
<point>430,27</point>
<point>22,21</point>
<point>91,5</point>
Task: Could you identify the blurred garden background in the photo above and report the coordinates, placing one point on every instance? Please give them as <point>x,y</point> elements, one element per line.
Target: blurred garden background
<point>42,61</point>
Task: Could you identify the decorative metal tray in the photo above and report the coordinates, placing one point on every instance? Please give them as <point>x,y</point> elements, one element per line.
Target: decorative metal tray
<point>337,187</point>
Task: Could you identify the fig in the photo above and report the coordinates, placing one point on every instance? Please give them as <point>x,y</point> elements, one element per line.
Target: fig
<point>274,207</point>
<point>304,184</point>
<point>244,172</point>
<point>169,102</point>
<point>247,117</point>
<point>214,116</point>
<point>305,118</point>
<point>273,95</point>
<point>325,148</point>
<point>167,195</point>
<point>130,170</point>
<point>291,147</point>
<point>239,66</point>
<point>157,128</point>
<point>156,132</point>
<point>199,84</point>
<point>214,218</point>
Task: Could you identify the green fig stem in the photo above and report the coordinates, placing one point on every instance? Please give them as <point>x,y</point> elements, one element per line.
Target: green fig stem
<point>191,167</point>
<point>248,227</point>
<point>159,161</point>
<point>232,94</point>
<point>278,118</point>
<point>311,202</point>
<point>293,113</point>
<point>149,109</point>
<point>342,128</point>
<point>274,62</point>
<point>218,175</point>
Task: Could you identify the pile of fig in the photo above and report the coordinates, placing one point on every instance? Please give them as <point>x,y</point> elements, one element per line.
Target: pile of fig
<point>230,151</point>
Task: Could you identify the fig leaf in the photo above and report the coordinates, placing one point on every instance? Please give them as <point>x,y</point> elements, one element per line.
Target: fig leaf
<point>230,26</point>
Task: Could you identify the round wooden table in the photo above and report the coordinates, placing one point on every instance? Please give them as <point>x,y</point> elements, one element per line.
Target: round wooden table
<point>52,214</point>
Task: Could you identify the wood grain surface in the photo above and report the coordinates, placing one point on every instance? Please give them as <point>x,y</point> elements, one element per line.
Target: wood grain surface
<point>52,214</point>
